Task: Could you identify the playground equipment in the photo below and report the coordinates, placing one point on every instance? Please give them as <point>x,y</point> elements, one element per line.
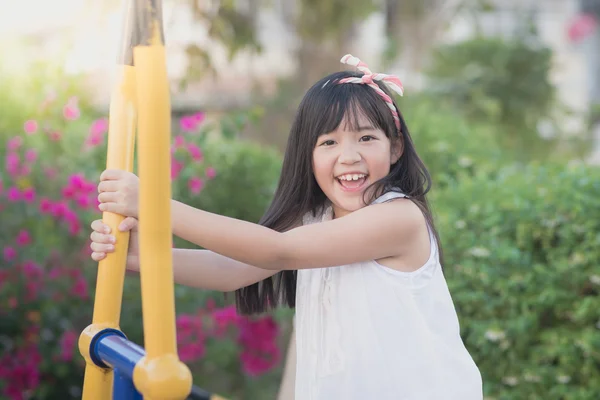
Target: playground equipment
<point>117,368</point>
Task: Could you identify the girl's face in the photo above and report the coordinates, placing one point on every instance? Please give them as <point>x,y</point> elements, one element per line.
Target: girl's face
<point>346,162</point>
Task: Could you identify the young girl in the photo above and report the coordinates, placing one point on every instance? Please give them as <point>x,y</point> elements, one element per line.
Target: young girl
<point>348,240</point>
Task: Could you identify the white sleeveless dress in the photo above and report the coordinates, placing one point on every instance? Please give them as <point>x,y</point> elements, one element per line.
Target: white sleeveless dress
<point>365,331</point>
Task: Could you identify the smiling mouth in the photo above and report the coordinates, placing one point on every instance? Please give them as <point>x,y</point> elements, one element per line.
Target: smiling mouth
<point>352,182</point>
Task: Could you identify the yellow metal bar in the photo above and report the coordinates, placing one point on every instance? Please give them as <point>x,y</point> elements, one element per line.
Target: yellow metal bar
<point>159,375</point>
<point>98,382</point>
<point>111,270</point>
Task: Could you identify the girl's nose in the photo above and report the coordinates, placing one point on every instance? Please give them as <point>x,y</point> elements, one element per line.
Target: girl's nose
<point>349,155</point>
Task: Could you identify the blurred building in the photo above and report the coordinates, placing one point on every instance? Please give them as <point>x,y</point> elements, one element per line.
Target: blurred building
<point>87,34</point>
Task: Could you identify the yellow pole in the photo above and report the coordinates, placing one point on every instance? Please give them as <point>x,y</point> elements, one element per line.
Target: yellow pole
<point>159,375</point>
<point>98,382</point>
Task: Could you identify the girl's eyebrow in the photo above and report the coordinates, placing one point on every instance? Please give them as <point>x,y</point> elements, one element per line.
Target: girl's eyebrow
<point>366,128</point>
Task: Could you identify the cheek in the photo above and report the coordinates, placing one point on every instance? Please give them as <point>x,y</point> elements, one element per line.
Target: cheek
<point>379,163</point>
<point>321,167</point>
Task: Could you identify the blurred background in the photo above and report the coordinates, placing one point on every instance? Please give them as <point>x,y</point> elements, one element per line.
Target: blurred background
<point>502,99</point>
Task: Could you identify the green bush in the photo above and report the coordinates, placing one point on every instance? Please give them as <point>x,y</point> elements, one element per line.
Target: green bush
<point>247,178</point>
<point>451,147</point>
<point>521,257</point>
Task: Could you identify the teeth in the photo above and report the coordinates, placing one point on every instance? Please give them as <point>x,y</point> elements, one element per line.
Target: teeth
<point>351,177</point>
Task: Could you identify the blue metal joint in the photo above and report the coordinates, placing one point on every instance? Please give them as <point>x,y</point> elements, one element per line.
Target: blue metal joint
<point>94,354</point>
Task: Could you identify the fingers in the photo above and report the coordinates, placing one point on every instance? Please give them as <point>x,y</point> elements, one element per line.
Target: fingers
<point>100,226</point>
<point>115,208</point>
<point>109,197</point>
<point>128,224</point>
<point>102,238</point>
<point>98,256</point>
<point>108,186</point>
<point>112,174</point>
<point>102,248</point>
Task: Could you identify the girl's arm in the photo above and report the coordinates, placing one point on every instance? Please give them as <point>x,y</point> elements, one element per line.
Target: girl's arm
<point>207,270</point>
<point>373,232</point>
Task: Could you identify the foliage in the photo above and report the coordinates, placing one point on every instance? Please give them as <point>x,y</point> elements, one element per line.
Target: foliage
<point>54,149</point>
<point>505,82</point>
<point>522,253</point>
<point>450,146</point>
<point>247,179</point>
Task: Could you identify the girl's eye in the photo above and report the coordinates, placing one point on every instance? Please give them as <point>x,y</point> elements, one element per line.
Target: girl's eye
<point>327,143</point>
<point>367,138</point>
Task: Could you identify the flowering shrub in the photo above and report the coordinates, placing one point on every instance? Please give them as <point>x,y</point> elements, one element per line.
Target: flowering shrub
<point>48,198</point>
<point>258,352</point>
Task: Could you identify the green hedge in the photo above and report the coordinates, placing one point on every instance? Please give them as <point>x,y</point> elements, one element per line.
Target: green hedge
<point>521,257</point>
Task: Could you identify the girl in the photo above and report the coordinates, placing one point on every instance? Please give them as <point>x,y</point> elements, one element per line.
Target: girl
<point>348,240</point>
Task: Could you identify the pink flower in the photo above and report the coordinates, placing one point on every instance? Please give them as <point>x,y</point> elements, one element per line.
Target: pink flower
<point>30,126</point>
<point>83,201</point>
<point>93,140</point>
<point>190,123</point>
<point>12,164</point>
<point>581,27</point>
<point>29,195</point>
<point>68,192</point>
<point>195,151</point>
<point>80,288</point>
<point>99,127</point>
<point>210,173</point>
<point>195,185</point>
<point>67,345</point>
<point>89,187</point>
<point>23,238</point>
<point>14,194</point>
<point>46,205</point>
<point>15,143</point>
<point>9,253</point>
<point>261,353</point>
<point>176,168</point>
<point>190,338</point>
<point>224,318</point>
<point>74,228</point>
<point>31,155</point>
<point>55,273</point>
<point>71,109</point>
<point>58,209</point>
<point>32,270</point>
<point>70,216</point>
<point>77,181</point>
<point>55,136</point>
<point>179,141</point>
<point>199,117</point>
<point>187,124</point>
<point>20,372</point>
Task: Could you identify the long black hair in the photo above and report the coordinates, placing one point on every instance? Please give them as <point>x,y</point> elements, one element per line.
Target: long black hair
<point>325,106</point>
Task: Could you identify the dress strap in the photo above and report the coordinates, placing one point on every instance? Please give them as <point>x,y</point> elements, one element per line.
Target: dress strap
<point>389,196</point>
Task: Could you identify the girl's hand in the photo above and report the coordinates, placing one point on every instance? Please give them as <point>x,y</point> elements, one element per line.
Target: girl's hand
<point>103,242</point>
<point>119,192</point>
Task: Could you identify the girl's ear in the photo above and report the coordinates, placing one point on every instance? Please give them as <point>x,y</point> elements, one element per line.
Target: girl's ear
<point>397,150</point>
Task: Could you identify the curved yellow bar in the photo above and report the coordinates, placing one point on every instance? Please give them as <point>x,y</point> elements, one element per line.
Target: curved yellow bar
<point>160,375</point>
<point>111,270</point>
